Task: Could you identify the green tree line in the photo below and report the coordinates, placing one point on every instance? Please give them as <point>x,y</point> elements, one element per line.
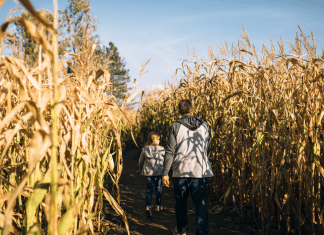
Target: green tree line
<point>74,21</point>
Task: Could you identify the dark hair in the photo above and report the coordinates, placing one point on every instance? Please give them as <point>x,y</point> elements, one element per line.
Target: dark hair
<point>185,106</point>
<point>152,136</point>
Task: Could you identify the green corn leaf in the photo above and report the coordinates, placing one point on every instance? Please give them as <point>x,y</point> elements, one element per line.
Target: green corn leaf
<point>89,122</point>
<point>34,201</point>
<point>35,230</point>
<point>228,192</point>
<point>99,190</point>
<point>89,217</point>
<point>67,220</point>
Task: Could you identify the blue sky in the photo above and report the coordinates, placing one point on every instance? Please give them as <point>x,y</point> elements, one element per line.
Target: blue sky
<point>162,30</point>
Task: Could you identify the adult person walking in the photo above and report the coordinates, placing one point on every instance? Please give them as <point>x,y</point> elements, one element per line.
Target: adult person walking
<point>187,150</point>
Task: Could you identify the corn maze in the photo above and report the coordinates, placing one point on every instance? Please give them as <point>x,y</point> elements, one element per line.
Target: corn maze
<point>59,136</point>
<point>266,117</point>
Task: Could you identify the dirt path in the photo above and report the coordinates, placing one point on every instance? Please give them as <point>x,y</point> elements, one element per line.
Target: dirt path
<point>133,189</point>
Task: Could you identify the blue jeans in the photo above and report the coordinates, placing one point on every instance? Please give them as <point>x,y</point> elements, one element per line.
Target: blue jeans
<point>198,189</point>
<point>151,180</point>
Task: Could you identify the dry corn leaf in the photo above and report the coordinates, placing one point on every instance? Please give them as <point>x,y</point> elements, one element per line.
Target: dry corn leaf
<point>35,34</point>
<point>74,70</point>
<point>111,163</point>
<point>85,96</point>
<point>294,61</point>
<point>10,115</point>
<point>36,14</point>
<point>76,137</point>
<point>284,200</point>
<point>1,3</point>
<point>116,207</point>
<point>134,95</point>
<point>40,143</point>
<point>90,79</point>
<point>3,28</point>
<point>21,66</point>
<point>12,230</point>
<point>45,99</point>
<point>11,133</point>
<point>61,99</point>
<point>77,58</point>
<point>62,157</point>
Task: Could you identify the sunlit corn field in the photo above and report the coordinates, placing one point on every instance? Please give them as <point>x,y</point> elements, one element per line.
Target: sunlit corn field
<point>59,136</point>
<point>265,112</point>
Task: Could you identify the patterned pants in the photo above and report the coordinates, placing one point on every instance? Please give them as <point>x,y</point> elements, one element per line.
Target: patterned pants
<point>197,187</point>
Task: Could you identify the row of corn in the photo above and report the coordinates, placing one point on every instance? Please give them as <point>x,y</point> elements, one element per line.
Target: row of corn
<point>266,117</point>
<point>59,136</point>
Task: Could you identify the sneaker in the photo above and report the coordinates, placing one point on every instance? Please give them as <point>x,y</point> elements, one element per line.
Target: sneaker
<point>149,212</point>
<point>159,208</point>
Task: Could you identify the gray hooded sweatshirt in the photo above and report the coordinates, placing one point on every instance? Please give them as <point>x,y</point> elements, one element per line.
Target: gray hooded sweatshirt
<point>151,160</point>
<point>188,149</point>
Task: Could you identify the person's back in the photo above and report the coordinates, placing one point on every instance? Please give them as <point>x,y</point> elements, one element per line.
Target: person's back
<point>188,150</point>
<point>152,158</point>
<point>191,141</point>
<point>151,165</point>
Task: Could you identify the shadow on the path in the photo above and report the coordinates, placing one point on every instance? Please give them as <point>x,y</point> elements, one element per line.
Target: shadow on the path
<point>133,189</point>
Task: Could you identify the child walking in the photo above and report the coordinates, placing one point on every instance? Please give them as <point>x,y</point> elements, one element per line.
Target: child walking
<point>151,165</point>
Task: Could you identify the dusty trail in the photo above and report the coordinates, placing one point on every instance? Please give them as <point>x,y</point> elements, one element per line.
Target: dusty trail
<point>133,189</point>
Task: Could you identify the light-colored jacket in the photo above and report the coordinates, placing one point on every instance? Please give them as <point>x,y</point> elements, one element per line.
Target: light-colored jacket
<point>188,149</point>
<point>151,160</point>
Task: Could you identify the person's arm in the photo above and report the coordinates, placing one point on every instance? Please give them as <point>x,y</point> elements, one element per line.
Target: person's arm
<point>141,161</point>
<point>208,141</point>
<point>162,153</point>
<point>169,152</point>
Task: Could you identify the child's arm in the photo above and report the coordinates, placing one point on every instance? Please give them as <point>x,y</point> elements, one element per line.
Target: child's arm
<point>141,161</point>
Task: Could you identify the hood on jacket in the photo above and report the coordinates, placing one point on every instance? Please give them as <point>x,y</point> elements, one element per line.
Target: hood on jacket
<point>152,151</point>
<point>191,122</point>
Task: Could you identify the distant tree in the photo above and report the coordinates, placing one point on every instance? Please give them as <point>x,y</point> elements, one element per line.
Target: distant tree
<point>75,21</point>
<point>119,75</point>
<point>28,44</point>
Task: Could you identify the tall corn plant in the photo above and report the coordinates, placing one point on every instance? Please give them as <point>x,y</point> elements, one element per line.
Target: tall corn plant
<point>266,117</point>
<point>59,137</point>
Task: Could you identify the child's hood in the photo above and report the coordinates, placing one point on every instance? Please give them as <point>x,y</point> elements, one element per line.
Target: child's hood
<point>153,151</point>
